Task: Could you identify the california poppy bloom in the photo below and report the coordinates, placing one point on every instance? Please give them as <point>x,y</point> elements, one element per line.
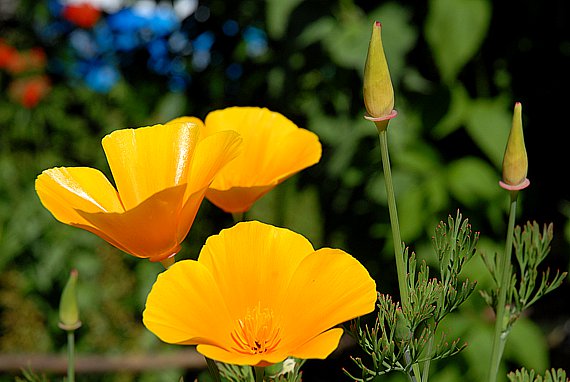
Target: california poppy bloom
<point>274,149</point>
<point>161,172</point>
<point>258,294</point>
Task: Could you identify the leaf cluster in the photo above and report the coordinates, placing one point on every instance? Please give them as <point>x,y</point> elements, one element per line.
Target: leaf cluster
<point>286,371</point>
<point>524,375</point>
<point>531,246</point>
<point>405,335</point>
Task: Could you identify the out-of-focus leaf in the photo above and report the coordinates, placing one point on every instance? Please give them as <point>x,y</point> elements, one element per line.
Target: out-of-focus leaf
<point>527,345</point>
<point>347,43</point>
<point>456,114</point>
<point>488,123</point>
<point>455,30</point>
<point>287,206</point>
<point>316,31</point>
<point>472,180</point>
<point>412,220</point>
<point>277,13</point>
<point>171,106</point>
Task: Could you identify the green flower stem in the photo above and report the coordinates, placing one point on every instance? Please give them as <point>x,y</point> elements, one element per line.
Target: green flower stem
<point>213,368</point>
<point>398,247</point>
<point>71,356</point>
<point>259,373</point>
<point>504,267</point>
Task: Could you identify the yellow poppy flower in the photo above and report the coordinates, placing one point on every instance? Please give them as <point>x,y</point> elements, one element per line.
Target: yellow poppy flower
<point>258,294</point>
<point>161,172</point>
<point>274,149</point>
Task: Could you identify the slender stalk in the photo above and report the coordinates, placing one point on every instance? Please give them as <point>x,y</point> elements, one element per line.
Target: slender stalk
<point>504,267</point>
<point>71,356</point>
<point>398,247</point>
<point>213,368</point>
<point>395,225</point>
<point>259,373</point>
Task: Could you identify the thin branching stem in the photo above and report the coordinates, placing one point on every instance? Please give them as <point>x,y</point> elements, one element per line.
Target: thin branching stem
<point>504,264</point>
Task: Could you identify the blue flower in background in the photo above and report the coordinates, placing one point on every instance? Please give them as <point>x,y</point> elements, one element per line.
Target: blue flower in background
<point>256,41</point>
<point>162,21</point>
<point>202,45</point>
<point>125,26</point>
<point>83,43</point>
<point>98,75</point>
<point>157,31</point>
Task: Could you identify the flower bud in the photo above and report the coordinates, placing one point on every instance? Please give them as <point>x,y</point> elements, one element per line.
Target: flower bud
<point>515,161</point>
<point>68,306</point>
<point>378,90</point>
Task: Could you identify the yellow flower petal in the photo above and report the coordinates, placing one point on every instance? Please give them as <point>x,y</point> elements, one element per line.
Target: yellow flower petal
<point>185,307</point>
<point>252,256</point>
<point>150,230</point>
<point>319,347</point>
<point>237,199</point>
<point>329,287</point>
<point>274,148</point>
<point>193,120</point>
<point>64,190</point>
<point>162,173</point>
<point>234,358</point>
<point>276,297</point>
<point>149,159</point>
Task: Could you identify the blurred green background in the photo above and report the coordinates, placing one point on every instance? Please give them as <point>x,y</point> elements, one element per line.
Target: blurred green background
<point>458,67</point>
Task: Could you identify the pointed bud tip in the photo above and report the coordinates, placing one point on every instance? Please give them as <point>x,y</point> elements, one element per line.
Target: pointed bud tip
<point>515,160</point>
<point>377,87</point>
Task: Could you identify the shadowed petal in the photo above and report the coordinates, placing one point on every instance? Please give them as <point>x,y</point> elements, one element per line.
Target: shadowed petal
<point>148,230</point>
<point>237,199</point>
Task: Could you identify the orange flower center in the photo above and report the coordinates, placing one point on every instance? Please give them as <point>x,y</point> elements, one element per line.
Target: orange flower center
<point>257,332</point>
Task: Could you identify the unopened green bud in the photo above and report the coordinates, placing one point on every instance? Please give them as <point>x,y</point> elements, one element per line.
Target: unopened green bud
<point>377,89</point>
<point>68,306</point>
<point>515,160</point>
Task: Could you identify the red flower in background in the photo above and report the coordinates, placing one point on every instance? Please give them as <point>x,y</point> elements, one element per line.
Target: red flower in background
<point>7,55</point>
<point>29,85</point>
<point>83,15</point>
<point>16,62</point>
<point>29,91</point>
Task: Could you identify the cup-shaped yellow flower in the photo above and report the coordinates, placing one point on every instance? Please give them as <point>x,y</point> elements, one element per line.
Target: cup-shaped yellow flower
<point>377,88</point>
<point>274,149</point>
<point>515,160</point>
<point>258,294</point>
<point>161,173</point>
